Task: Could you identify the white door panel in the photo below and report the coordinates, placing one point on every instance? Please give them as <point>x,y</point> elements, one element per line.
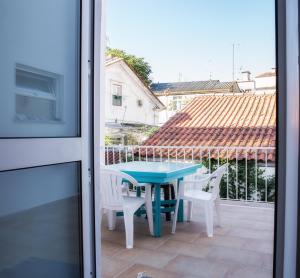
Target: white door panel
<point>46,138</point>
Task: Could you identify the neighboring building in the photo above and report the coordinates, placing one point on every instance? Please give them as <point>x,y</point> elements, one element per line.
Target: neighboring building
<point>264,83</point>
<point>129,102</point>
<point>246,120</point>
<point>246,84</point>
<point>176,95</point>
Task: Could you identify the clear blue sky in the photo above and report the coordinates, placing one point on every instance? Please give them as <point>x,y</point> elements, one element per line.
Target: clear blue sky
<point>194,37</point>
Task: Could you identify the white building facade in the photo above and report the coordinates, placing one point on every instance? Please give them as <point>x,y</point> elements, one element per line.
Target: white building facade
<point>128,100</point>
<point>264,83</point>
<point>176,95</point>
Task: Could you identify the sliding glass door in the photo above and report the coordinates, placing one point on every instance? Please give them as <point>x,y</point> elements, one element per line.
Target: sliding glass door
<point>46,189</point>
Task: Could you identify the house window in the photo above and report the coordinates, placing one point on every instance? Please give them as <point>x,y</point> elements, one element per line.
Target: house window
<point>176,103</point>
<point>116,95</point>
<point>38,95</point>
<point>139,103</point>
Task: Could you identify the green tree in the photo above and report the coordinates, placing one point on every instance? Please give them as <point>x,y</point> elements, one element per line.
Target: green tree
<point>138,64</point>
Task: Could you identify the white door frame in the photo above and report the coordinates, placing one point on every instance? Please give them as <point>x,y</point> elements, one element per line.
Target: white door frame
<point>99,117</point>
<point>287,159</point>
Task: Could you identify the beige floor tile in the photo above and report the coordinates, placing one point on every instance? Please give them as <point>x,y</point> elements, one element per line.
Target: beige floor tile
<point>267,261</point>
<point>185,236</point>
<point>227,254</point>
<point>259,245</point>
<point>149,242</point>
<point>114,266</point>
<point>150,271</point>
<point>200,228</point>
<point>116,237</point>
<point>110,249</point>
<point>250,233</point>
<point>221,240</point>
<point>186,265</point>
<point>153,258</point>
<point>184,248</point>
<point>249,272</point>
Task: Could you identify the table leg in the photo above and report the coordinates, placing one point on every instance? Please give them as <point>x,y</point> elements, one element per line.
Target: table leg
<point>138,194</point>
<point>180,209</point>
<point>157,224</point>
<point>167,194</point>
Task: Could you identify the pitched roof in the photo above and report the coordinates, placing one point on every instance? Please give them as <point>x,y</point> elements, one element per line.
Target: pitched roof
<point>111,60</point>
<point>228,120</point>
<point>266,74</point>
<point>195,87</point>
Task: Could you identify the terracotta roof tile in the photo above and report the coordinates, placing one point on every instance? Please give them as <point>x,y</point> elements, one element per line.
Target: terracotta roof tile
<point>228,120</point>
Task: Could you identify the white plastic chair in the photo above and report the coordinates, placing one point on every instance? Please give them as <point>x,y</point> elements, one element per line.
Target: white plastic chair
<point>199,175</point>
<point>114,200</point>
<point>192,190</point>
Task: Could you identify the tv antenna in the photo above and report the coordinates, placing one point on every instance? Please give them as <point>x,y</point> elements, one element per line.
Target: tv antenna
<point>234,46</point>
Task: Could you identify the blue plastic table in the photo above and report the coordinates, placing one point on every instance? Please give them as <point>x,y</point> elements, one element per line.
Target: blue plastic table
<point>158,173</point>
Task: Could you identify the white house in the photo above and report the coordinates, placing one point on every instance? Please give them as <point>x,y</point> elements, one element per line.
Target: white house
<point>128,100</point>
<point>246,84</point>
<point>264,83</point>
<point>176,95</point>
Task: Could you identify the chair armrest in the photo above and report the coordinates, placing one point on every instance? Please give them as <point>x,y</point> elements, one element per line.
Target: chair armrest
<point>201,176</point>
<point>201,183</point>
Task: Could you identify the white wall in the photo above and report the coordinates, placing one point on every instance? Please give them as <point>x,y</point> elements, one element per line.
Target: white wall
<point>166,114</point>
<point>131,93</point>
<point>262,83</point>
<point>247,85</point>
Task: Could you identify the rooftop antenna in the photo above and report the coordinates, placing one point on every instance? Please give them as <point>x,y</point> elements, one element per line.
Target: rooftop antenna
<point>234,45</point>
<point>180,77</point>
<point>210,68</point>
<point>107,41</point>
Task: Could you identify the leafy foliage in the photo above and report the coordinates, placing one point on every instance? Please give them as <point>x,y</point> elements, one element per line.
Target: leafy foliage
<point>131,136</point>
<point>249,182</point>
<point>108,140</point>
<point>139,65</point>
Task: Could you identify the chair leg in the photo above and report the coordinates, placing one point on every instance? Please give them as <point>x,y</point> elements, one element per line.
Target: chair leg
<point>128,219</point>
<point>111,219</point>
<point>174,189</point>
<point>175,215</point>
<point>209,218</point>
<point>148,204</point>
<point>218,210</point>
<point>190,211</point>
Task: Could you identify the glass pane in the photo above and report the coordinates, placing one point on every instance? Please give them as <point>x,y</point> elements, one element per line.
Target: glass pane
<point>40,68</point>
<point>35,109</point>
<point>40,222</point>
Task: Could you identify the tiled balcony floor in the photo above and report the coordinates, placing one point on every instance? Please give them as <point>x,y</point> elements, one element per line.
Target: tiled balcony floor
<point>242,247</point>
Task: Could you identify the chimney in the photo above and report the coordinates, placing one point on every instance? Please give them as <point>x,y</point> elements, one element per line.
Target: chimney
<point>246,75</point>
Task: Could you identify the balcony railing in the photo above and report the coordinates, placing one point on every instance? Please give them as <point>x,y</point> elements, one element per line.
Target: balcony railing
<point>250,175</point>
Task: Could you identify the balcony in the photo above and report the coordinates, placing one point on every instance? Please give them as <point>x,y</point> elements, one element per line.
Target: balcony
<point>241,247</point>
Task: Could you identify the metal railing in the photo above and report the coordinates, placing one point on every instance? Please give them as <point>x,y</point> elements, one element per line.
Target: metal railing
<point>250,175</point>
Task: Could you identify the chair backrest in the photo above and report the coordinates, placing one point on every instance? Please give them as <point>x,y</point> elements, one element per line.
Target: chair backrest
<point>215,180</point>
<point>111,187</point>
<point>201,171</point>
